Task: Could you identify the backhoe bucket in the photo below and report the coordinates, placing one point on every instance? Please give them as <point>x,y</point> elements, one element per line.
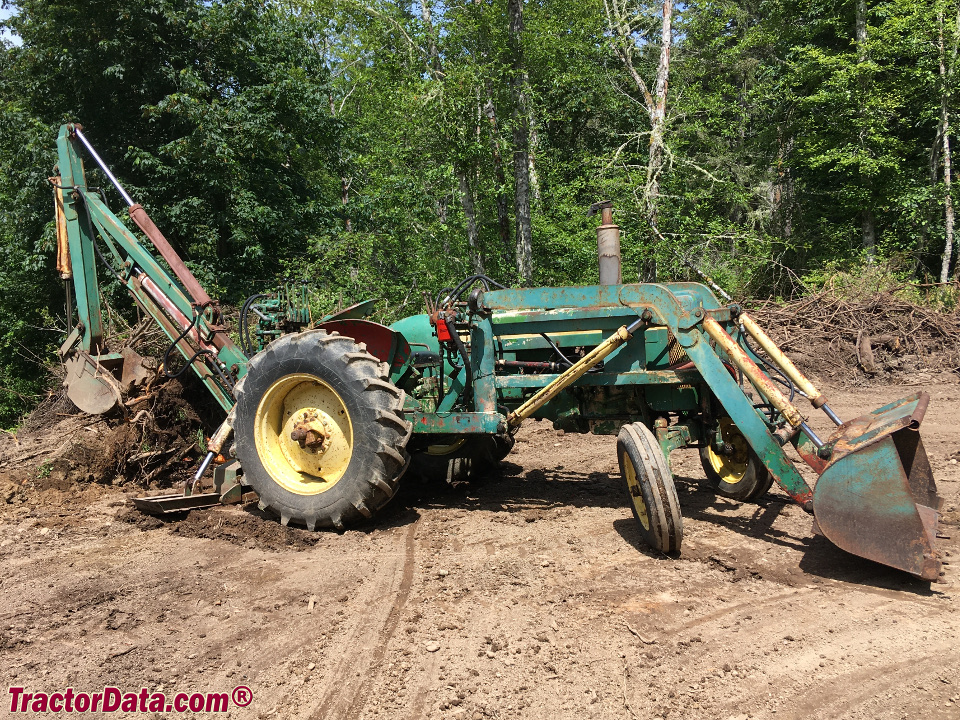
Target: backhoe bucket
<point>876,498</point>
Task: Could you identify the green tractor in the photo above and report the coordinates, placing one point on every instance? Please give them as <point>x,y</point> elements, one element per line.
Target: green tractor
<point>327,414</point>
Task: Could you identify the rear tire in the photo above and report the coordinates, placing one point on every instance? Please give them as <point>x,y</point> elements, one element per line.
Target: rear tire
<point>739,475</point>
<point>650,488</point>
<point>328,385</point>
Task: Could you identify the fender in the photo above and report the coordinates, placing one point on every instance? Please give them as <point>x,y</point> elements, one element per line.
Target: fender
<point>383,343</point>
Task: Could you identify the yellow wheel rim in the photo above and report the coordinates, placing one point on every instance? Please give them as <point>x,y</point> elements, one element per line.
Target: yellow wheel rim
<point>732,468</point>
<point>303,406</point>
<point>636,494</point>
<point>446,449</point>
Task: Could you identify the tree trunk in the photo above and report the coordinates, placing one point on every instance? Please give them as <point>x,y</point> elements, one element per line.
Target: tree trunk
<point>431,35</point>
<point>521,143</point>
<point>867,220</point>
<point>783,191</point>
<point>869,235</point>
<point>470,212</point>
<point>658,116</point>
<point>345,180</point>
<point>946,77</point>
<point>503,216</point>
<point>534,144</point>
<point>621,24</point>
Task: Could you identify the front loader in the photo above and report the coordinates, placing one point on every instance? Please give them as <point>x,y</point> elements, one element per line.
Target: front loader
<point>326,415</point>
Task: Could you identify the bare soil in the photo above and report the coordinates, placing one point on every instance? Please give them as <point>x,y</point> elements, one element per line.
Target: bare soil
<point>527,595</point>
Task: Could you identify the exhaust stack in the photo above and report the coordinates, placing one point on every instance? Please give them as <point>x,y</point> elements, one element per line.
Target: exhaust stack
<point>608,244</point>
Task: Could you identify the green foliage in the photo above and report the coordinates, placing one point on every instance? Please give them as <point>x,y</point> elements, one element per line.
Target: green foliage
<point>214,116</point>
<point>341,141</point>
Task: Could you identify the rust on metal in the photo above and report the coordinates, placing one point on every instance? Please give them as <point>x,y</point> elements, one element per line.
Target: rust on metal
<point>190,283</point>
<point>877,497</point>
<point>310,431</point>
<point>608,244</point>
<point>64,266</point>
<point>782,361</point>
<point>90,386</point>
<point>173,330</point>
<point>749,368</point>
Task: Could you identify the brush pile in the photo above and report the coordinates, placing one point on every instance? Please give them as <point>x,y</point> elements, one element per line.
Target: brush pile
<point>881,336</point>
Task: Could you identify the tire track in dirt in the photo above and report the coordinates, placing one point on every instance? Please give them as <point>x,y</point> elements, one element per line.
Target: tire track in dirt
<point>887,662</point>
<point>839,696</point>
<point>368,662</point>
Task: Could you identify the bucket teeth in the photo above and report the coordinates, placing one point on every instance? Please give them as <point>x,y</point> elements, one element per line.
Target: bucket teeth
<point>311,523</point>
<point>285,520</point>
<point>262,506</point>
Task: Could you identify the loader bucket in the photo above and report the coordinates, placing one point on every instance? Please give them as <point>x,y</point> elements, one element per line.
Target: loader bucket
<point>876,498</point>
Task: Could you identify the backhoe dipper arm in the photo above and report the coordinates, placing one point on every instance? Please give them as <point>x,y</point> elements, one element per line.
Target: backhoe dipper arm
<point>188,317</point>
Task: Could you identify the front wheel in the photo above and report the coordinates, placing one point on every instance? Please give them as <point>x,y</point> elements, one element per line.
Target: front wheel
<point>650,488</point>
<point>732,467</point>
<point>320,431</point>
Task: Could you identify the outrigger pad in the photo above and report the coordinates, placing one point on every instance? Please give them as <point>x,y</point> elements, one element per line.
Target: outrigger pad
<point>167,504</point>
<point>877,498</point>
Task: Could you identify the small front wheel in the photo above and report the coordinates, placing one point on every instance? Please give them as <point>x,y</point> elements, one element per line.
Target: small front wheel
<point>735,471</point>
<point>650,488</point>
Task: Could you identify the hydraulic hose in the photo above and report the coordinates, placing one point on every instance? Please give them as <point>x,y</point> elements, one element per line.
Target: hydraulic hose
<point>462,352</point>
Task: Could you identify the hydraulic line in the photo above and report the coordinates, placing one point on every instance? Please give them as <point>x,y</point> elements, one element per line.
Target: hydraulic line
<point>462,351</point>
<point>564,358</point>
<point>756,376</point>
<point>573,373</point>
<point>246,344</point>
<point>103,166</point>
<point>789,369</point>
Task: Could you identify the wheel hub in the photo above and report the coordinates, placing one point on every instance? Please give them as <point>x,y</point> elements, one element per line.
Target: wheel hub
<point>311,431</point>
<point>636,494</point>
<point>304,435</point>
<point>730,456</point>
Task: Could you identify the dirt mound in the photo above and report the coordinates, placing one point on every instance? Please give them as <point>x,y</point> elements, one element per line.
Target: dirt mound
<point>879,336</point>
<point>244,526</point>
<point>153,445</point>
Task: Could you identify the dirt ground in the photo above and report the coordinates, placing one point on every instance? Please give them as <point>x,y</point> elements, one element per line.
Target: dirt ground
<point>529,595</point>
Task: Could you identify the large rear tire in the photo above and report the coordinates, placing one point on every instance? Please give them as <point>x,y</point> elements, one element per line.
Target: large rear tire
<point>650,488</point>
<point>319,430</point>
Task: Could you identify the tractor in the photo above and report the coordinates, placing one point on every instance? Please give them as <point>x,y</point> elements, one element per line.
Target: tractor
<point>324,415</point>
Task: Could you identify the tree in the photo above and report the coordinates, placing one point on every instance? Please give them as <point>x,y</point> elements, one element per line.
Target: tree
<point>632,33</point>
<point>214,115</point>
<point>947,65</point>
